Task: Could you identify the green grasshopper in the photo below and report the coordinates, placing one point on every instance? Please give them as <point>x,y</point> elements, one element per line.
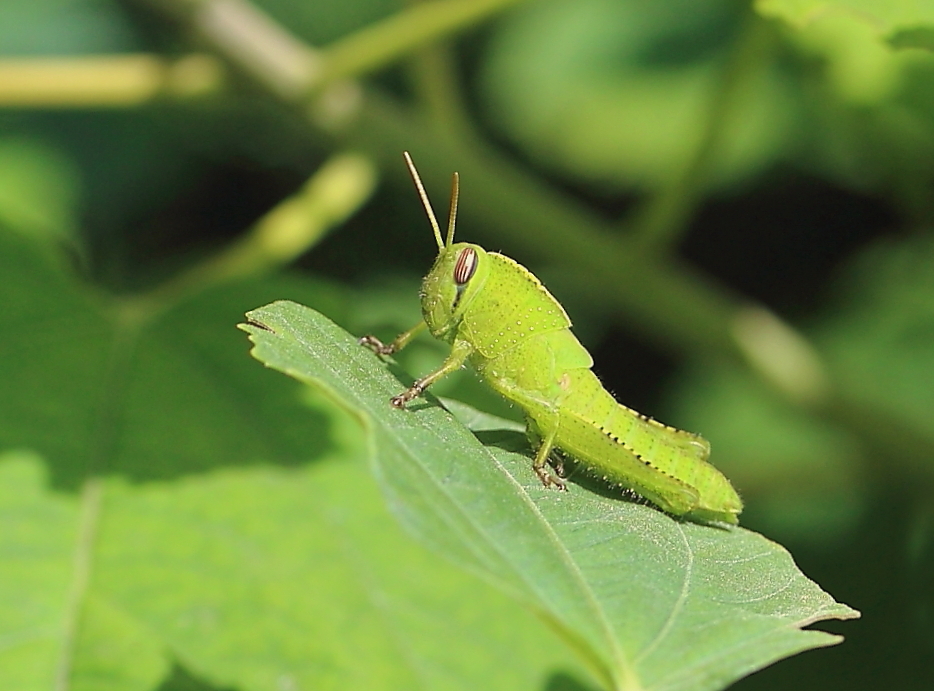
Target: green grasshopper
<point>498,315</point>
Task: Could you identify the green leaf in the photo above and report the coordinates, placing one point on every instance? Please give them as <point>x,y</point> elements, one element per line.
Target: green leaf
<point>64,27</point>
<point>252,578</point>
<point>478,420</point>
<point>321,23</point>
<point>37,191</point>
<point>36,544</point>
<point>916,37</point>
<point>800,476</point>
<point>170,510</point>
<point>810,478</point>
<point>905,23</point>
<point>648,601</point>
<point>878,339</point>
<point>618,93</point>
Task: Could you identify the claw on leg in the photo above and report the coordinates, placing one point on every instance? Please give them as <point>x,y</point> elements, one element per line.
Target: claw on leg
<point>413,392</point>
<point>549,479</point>
<point>540,464</point>
<point>376,345</point>
<point>380,348</point>
<point>558,465</point>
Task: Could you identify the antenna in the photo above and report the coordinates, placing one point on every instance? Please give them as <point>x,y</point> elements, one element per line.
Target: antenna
<point>452,214</point>
<point>427,204</point>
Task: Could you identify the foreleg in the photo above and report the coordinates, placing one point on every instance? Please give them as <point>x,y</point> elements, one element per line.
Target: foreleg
<point>460,351</point>
<point>400,342</point>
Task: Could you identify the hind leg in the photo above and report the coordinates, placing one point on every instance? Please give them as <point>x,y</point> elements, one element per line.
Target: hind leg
<point>546,443</point>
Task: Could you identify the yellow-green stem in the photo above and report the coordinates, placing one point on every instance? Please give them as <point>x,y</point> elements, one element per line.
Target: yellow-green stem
<point>109,81</point>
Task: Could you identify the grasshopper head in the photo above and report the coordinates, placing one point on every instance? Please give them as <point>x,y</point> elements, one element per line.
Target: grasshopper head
<point>457,275</point>
<point>458,272</point>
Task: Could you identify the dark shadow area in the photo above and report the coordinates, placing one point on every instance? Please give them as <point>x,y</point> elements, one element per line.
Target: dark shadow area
<point>573,472</point>
<point>187,399</point>
<point>390,235</point>
<point>507,440</point>
<point>633,370</point>
<point>885,569</point>
<point>781,241</point>
<point>562,681</point>
<point>180,679</point>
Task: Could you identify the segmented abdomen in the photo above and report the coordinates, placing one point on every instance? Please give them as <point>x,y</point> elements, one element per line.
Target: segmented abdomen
<point>664,464</point>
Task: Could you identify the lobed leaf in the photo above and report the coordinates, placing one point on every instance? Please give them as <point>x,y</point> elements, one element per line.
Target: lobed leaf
<point>650,602</point>
<point>169,511</point>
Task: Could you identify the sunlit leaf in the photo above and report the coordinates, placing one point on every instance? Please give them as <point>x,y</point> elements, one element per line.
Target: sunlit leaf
<point>650,601</point>
<point>901,21</point>
<point>168,509</point>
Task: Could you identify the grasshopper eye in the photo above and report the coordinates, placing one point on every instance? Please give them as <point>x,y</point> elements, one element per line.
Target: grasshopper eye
<point>466,266</point>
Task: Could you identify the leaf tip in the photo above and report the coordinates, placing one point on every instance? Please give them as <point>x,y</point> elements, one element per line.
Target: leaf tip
<point>251,321</point>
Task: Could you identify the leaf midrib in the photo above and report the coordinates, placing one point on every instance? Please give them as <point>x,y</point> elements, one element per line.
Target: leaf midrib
<point>622,669</point>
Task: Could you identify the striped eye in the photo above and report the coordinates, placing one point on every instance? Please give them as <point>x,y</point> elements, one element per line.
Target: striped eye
<point>466,266</point>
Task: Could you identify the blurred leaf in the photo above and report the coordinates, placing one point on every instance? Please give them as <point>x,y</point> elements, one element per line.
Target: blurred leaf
<point>219,523</point>
<point>871,115</point>
<point>888,18</point>
<point>803,477</point>
<point>618,92</point>
<point>64,27</point>
<point>38,191</point>
<point>879,338</point>
<point>113,648</point>
<point>649,601</point>
<point>918,37</point>
<point>859,67</point>
<point>323,22</point>
<point>799,477</point>
<point>100,390</point>
<point>36,545</point>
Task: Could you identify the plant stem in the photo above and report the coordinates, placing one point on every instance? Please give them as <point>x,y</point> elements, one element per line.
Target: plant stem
<point>659,224</point>
<point>675,305</point>
<point>254,41</point>
<point>383,43</point>
<point>112,81</point>
<point>437,88</point>
<point>335,192</point>
<point>91,498</point>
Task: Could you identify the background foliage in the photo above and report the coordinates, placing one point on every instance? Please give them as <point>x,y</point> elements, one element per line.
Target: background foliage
<point>732,200</point>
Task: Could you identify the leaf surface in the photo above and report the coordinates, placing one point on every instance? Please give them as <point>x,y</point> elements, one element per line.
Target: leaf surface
<point>169,510</point>
<point>648,601</point>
